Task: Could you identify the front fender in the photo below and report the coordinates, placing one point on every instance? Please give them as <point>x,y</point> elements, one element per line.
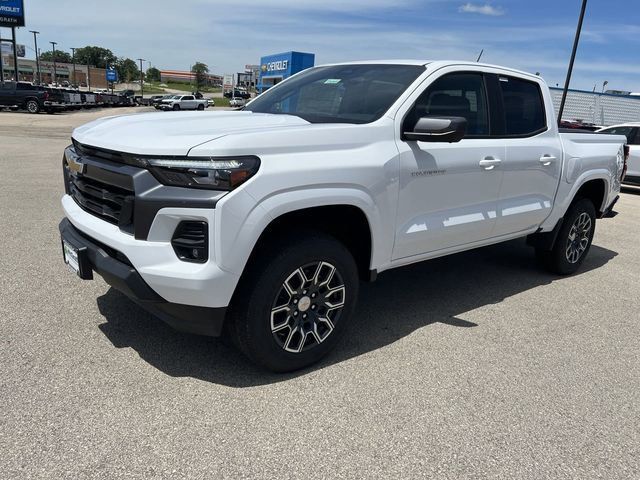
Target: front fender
<point>245,219</point>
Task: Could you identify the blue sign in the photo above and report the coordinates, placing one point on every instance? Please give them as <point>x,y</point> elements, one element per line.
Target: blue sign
<point>11,13</point>
<point>275,68</point>
<point>112,75</point>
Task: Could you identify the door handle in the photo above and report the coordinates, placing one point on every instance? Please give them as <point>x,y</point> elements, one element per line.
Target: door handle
<point>547,160</point>
<point>489,163</point>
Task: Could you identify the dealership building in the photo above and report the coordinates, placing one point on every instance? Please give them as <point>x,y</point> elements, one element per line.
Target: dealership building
<point>64,72</point>
<point>277,67</point>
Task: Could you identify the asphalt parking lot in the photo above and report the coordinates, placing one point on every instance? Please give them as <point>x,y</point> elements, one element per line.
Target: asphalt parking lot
<point>478,365</point>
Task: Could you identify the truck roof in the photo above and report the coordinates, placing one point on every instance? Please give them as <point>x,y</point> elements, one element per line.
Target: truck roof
<point>435,63</point>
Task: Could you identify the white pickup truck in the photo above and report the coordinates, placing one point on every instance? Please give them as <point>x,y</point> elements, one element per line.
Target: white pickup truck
<point>261,223</point>
<point>183,102</point>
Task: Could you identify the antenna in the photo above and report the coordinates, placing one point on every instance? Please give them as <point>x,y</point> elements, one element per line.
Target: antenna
<point>480,56</point>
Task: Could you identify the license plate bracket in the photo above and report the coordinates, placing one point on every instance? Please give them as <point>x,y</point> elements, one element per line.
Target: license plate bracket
<point>77,260</point>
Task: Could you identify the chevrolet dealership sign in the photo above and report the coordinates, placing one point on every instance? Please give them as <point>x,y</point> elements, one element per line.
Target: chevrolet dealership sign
<point>278,66</point>
<point>11,13</point>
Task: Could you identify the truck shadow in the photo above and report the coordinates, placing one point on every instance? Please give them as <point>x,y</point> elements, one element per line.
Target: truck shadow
<point>398,303</point>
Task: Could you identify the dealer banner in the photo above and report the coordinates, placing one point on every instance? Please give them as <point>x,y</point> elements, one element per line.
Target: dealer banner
<point>12,13</point>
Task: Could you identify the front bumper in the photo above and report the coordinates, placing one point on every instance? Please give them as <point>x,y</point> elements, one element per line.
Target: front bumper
<point>117,271</point>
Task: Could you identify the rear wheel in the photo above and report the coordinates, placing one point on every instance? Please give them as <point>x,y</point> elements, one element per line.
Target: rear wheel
<point>290,310</point>
<point>33,106</point>
<point>574,239</point>
<point>200,107</point>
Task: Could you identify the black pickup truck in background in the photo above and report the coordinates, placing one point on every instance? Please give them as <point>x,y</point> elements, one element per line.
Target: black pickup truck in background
<point>34,99</point>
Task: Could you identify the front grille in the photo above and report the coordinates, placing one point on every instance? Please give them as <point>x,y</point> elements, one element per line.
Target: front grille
<point>101,153</point>
<point>113,204</point>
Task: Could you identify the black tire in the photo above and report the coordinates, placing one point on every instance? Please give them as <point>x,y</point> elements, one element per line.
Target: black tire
<point>200,107</point>
<point>176,107</point>
<point>574,239</point>
<point>32,106</point>
<point>262,291</point>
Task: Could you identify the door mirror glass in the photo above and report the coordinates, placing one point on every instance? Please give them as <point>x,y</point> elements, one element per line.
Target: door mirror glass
<point>438,129</point>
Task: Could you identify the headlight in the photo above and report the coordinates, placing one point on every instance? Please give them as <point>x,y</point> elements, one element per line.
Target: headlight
<point>208,173</point>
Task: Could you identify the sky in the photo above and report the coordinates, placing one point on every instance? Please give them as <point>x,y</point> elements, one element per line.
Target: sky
<point>531,35</point>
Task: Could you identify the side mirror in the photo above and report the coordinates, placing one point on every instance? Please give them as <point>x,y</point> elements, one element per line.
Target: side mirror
<point>438,129</point>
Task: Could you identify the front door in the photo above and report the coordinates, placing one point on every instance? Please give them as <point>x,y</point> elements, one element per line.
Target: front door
<point>448,191</point>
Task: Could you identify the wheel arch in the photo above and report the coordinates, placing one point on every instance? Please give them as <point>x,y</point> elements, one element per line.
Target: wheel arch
<point>349,215</point>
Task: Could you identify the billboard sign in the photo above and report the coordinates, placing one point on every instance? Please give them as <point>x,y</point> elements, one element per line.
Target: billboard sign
<point>112,75</point>
<point>7,49</point>
<point>227,82</point>
<point>12,13</point>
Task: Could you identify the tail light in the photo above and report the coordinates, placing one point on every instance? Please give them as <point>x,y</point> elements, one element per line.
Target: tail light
<point>626,157</point>
<point>46,96</point>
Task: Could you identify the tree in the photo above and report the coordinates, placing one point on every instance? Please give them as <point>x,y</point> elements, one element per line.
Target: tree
<point>127,69</point>
<point>153,74</point>
<point>96,56</point>
<point>201,70</point>
<point>61,57</point>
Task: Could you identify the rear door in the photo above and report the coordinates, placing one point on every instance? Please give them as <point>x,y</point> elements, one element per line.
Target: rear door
<point>188,102</point>
<point>6,93</point>
<point>533,159</point>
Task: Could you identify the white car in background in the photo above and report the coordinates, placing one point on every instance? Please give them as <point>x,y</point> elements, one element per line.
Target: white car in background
<point>183,102</point>
<point>632,132</point>
<point>237,102</point>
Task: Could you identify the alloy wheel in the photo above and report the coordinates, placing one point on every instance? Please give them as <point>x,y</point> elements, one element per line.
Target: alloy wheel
<point>579,237</point>
<point>307,307</point>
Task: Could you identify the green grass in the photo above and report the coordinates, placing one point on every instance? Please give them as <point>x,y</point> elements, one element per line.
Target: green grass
<point>185,87</point>
<point>150,90</point>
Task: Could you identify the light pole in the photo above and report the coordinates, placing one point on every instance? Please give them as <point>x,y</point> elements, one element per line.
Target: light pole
<point>55,74</point>
<point>604,85</point>
<point>35,41</point>
<point>141,77</point>
<point>73,59</point>
<point>573,58</point>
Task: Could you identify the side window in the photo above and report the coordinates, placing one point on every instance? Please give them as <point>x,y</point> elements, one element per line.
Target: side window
<point>23,86</point>
<point>523,106</point>
<point>187,98</point>
<point>455,95</point>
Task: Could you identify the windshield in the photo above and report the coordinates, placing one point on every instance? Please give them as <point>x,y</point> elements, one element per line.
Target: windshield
<point>339,94</point>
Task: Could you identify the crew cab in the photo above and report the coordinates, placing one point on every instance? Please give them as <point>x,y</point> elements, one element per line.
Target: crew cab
<point>260,223</point>
<point>23,95</point>
<point>632,132</point>
<point>183,102</point>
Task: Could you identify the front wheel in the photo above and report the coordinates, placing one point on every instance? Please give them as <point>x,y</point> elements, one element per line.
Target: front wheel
<point>176,107</point>
<point>33,106</point>
<point>290,310</point>
<point>574,239</point>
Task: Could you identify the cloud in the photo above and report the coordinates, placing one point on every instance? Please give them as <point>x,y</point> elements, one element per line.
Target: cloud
<point>485,9</point>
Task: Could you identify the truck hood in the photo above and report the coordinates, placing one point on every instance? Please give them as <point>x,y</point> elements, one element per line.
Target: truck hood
<point>175,133</point>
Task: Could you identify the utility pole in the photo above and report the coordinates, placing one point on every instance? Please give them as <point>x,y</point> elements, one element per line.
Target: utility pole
<point>573,58</point>
<point>35,41</point>
<point>73,59</point>
<point>55,73</point>
<point>1,67</point>
<point>141,77</point>
<point>15,54</point>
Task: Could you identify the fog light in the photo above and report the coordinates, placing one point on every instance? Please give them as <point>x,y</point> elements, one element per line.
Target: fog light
<point>191,241</point>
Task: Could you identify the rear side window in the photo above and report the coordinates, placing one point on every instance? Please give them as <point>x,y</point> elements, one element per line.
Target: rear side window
<point>23,86</point>
<point>523,106</point>
<point>187,98</point>
<point>630,132</point>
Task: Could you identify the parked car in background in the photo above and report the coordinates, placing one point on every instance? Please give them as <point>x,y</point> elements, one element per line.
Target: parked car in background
<point>237,93</point>
<point>632,132</point>
<point>237,102</point>
<point>211,102</point>
<point>158,99</point>
<point>183,102</point>
<point>262,222</point>
<point>34,99</point>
